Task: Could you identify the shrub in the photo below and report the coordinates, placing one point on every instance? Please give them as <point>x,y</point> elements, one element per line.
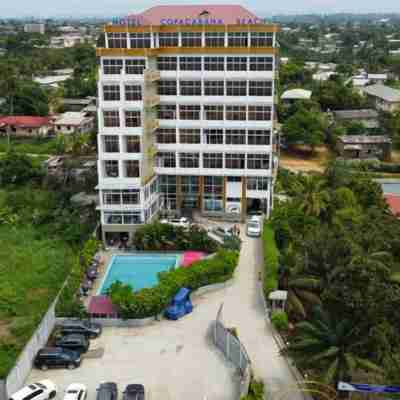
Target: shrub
<point>152,301</point>
<point>271,256</point>
<point>157,237</point>
<point>280,321</point>
<point>256,390</point>
<point>232,243</point>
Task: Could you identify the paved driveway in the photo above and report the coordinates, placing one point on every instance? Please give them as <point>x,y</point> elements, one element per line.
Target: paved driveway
<point>175,360</point>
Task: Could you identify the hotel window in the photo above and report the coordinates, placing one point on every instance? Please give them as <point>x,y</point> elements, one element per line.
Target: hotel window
<point>214,88</point>
<point>167,63</point>
<point>111,144</point>
<point>236,64</point>
<point>117,40</point>
<point>258,161</point>
<point>189,160</point>
<point>132,119</point>
<point>135,67</point>
<point>191,39</point>
<point>166,159</point>
<point>258,137</point>
<point>213,184</point>
<point>132,144</point>
<point>190,184</point>
<point>133,93</point>
<point>167,88</point>
<point>212,160</point>
<point>111,93</point>
<point>130,196</point>
<point>238,39</point>
<point>236,113</point>
<point>189,136</point>
<point>111,197</point>
<point>189,112</point>
<point>236,88</point>
<point>214,113</point>
<point>190,63</point>
<point>261,64</point>
<point>215,39</point>
<point>167,111</point>
<point>214,63</point>
<point>131,168</point>
<point>234,161</point>
<point>235,136</point>
<point>259,113</point>
<point>261,39</point>
<point>257,183</point>
<point>214,136</point>
<point>168,183</point>
<point>111,168</point>
<point>166,136</point>
<point>168,40</point>
<point>123,218</point>
<point>118,197</point>
<point>140,40</point>
<point>190,88</point>
<point>112,67</point>
<point>260,88</point>
<point>111,119</point>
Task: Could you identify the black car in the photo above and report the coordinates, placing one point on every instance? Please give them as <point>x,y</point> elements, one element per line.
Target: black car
<point>134,392</point>
<point>107,391</point>
<point>88,329</point>
<point>73,341</point>
<point>54,357</point>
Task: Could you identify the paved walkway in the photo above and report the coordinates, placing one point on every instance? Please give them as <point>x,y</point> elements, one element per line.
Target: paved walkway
<point>243,309</point>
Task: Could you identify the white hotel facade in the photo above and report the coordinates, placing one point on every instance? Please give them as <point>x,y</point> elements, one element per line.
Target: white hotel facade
<point>186,115</point>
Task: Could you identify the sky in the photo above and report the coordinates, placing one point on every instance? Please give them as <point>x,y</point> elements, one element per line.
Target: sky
<point>48,8</point>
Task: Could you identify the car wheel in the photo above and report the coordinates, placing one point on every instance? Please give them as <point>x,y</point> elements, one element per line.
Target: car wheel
<point>52,394</point>
<point>44,367</point>
<point>71,366</point>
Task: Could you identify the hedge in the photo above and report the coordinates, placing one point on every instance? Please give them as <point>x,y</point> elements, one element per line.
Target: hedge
<point>152,301</point>
<point>280,321</point>
<point>271,258</point>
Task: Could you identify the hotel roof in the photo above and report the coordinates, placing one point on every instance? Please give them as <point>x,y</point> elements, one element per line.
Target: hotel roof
<point>174,14</point>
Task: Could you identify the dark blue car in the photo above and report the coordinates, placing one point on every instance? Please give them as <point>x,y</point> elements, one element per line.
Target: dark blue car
<point>180,305</point>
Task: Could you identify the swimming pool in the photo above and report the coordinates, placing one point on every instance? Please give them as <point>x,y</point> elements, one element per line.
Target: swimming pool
<point>393,188</point>
<point>138,270</point>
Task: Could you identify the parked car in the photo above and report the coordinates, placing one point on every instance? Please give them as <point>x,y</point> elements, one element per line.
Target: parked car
<point>89,329</point>
<point>182,222</point>
<point>75,391</point>
<point>107,391</point>
<point>53,357</point>
<point>43,390</point>
<point>134,392</point>
<point>253,228</point>
<point>73,341</point>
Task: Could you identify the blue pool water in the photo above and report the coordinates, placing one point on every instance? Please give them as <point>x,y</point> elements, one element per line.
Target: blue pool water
<point>139,271</point>
<point>393,188</point>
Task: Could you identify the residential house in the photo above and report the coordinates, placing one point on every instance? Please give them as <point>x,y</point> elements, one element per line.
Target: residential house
<point>71,123</point>
<point>25,126</point>
<point>77,105</point>
<point>383,97</point>
<point>364,147</point>
<point>367,117</point>
<point>52,80</point>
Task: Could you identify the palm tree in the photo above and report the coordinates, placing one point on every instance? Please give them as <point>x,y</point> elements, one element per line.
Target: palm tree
<point>329,345</point>
<point>315,198</point>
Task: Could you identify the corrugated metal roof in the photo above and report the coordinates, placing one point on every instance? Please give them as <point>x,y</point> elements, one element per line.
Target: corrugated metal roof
<point>24,121</point>
<point>352,114</point>
<point>364,139</point>
<point>383,92</point>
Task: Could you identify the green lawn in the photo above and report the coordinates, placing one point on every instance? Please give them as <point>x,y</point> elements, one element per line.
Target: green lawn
<point>30,146</point>
<point>33,266</point>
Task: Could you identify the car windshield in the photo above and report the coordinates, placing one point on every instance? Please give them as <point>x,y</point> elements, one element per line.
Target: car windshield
<point>72,391</point>
<point>40,385</point>
<point>253,225</point>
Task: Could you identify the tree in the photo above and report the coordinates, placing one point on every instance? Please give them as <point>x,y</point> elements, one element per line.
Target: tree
<point>18,168</point>
<point>306,127</point>
<point>331,345</point>
<point>314,198</point>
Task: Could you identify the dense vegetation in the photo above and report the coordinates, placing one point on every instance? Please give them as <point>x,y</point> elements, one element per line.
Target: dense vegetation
<point>339,261</point>
<point>39,232</point>
<point>151,302</point>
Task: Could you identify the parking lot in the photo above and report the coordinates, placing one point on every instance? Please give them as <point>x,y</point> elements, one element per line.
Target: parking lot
<point>172,359</point>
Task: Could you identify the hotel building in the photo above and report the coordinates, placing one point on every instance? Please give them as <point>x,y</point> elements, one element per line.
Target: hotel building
<point>186,115</point>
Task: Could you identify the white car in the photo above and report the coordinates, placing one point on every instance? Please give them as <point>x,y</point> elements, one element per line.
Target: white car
<point>75,391</point>
<point>182,222</point>
<point>253,228</point>
<point>43,390</point>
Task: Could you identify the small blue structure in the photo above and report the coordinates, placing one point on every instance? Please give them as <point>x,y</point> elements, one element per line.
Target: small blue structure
<point>180,305</point>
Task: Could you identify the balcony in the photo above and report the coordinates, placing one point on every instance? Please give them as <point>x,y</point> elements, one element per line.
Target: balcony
<point>151,101</point>
<point>151,75</point>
